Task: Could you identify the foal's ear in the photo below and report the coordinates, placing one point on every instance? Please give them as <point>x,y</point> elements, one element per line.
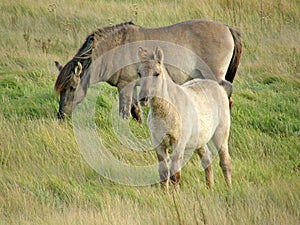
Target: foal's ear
<point>58,66</point>
<point>159,55</point>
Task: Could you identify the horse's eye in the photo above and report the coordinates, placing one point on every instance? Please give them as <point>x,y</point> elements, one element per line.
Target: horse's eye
<point>139,74</point>
<point>156,74</point>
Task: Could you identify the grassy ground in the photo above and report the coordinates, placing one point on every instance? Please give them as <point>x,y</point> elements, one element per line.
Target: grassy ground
<point>45,180</point>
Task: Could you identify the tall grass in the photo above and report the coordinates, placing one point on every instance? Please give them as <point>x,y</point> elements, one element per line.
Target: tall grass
<point>45,180</point>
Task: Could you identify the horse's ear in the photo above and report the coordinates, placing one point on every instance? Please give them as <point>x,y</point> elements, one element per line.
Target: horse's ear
<point>58,66</point>
<point>159,55</point>
<point>143,54</point>
<point>78,69</point>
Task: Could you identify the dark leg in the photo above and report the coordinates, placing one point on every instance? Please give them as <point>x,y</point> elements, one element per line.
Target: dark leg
<point>135,109</point>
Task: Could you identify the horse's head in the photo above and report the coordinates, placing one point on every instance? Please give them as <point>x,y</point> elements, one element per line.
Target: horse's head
<point>66,85</point>
<point>150,69</point>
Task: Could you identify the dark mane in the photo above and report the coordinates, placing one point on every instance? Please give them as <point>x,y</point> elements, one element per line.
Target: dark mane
<point>85,53</point>
<point>117,27</point>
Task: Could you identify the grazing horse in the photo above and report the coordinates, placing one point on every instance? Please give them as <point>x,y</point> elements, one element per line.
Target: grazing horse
<point>216,44</point>
<point>184,118</point>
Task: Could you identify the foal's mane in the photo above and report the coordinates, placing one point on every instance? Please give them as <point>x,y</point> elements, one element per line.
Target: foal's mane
<point>84,54</point>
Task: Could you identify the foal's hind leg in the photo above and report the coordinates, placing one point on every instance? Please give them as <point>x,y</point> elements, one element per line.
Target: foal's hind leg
<point>225,160</point>
<point>225,163</point>
<point>206,162</point>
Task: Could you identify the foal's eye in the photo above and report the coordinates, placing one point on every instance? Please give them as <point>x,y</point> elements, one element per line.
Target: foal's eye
<point>139,74</point>
<point>156,74</point>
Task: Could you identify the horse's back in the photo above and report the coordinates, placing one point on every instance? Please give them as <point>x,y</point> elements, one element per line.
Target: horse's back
<point>211,41</point>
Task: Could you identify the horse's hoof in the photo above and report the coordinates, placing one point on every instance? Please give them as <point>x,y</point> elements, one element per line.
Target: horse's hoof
<point>124,113</point>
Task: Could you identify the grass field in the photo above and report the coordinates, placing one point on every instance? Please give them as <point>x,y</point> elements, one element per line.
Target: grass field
<point>44,178</point>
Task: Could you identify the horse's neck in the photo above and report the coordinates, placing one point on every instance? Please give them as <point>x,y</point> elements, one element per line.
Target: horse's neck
<point>112,54</point>
<point>109,42</point>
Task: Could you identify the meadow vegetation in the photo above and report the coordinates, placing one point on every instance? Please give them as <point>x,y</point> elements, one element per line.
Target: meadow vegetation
<point>44,178</point>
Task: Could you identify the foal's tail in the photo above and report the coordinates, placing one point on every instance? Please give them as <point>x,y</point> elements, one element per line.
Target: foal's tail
<point>227,86</point>
<point>235,59</point>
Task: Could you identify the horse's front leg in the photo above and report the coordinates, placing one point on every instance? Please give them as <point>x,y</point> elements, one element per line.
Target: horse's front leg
<point>125,90</point>
<point>135,109</point>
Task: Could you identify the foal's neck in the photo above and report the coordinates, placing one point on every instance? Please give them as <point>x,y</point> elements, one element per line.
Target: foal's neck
<point>164,89</point>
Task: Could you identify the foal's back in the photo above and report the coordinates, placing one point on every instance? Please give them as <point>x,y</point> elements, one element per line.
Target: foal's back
<point>206,89</point>
<point>207,94</point>
<point>210,102</point>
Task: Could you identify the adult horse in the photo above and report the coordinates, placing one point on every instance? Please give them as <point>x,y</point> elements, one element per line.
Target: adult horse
<point>216,45</point>
<point>184,118</point>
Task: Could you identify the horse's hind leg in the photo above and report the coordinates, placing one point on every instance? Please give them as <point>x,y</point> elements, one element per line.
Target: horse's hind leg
<point>230,103</point>
<point>206,162</point>
<point>163,169</point>
<point>125,90</point>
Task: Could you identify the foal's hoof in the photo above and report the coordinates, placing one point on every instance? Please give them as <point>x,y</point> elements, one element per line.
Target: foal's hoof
<point>164,186</point>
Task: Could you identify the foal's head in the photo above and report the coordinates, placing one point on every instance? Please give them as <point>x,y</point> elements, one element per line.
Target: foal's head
<point>150,69</point>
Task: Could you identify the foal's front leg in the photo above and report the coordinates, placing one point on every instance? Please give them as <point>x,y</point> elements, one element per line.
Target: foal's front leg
<point>177,159</point>
<point>163,168</point>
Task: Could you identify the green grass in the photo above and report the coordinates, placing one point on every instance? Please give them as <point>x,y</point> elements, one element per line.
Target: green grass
<point>44,179</point>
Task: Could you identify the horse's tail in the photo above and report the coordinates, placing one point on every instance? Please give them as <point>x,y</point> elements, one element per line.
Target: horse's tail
<point>235,59</point>
<point>228,87</point>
